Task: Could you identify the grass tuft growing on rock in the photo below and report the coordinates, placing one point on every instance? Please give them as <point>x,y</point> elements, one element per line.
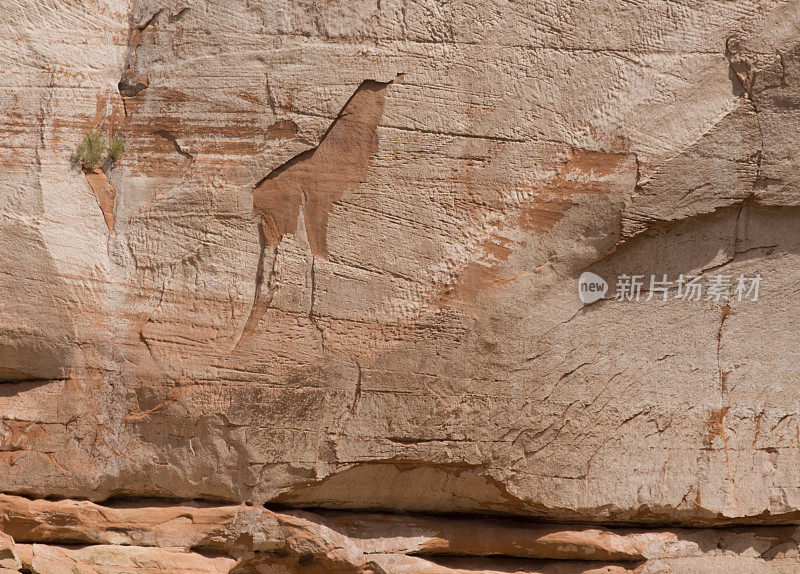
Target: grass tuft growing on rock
<point>116,149</point>
<point>91,150</point>
<point>94,150</point>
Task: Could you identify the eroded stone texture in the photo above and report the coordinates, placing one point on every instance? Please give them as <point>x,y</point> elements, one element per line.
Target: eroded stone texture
<point>336,267</point>
<point>202,537</point>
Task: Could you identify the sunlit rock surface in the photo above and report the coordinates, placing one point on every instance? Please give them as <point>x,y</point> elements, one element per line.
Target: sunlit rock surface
<point>334,277</point>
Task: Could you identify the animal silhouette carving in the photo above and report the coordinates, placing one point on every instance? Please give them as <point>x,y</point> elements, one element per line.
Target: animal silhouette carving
<point>315,180</point>
<point>319,177</point>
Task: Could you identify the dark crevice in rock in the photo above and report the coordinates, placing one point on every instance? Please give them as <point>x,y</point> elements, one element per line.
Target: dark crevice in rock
<point>142,27</point>
<point>131,84</point>
<point>174,141</point>
<point>129,90</point>
<point>312,314</point>
<point>10,378</point>
<point>178,15</point>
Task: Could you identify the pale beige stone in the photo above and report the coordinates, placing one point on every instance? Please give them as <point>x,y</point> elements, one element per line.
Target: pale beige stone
<point>8,553</point>
<point>336,268</point>
<point>211,538</point>
<point>111,559</point>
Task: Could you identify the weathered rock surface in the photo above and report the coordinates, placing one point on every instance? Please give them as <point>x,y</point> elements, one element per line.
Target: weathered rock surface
<point>336,269</point>
<point>9,560</point>
<point>189,537</point>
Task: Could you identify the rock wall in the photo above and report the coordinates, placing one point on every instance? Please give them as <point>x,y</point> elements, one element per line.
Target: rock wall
<point>323,316</point>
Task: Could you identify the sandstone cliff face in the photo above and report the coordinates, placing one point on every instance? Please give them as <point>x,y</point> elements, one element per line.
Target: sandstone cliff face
<point>322,315</point>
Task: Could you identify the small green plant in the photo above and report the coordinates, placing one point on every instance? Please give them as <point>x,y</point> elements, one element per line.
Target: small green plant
<point>94,150</point>
<point>91,150</point>
<point>115,149</point>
